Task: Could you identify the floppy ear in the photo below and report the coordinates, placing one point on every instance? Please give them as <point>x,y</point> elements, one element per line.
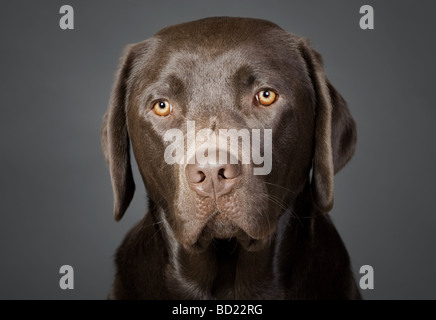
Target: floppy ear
<point>335,130</point>
<point>115,139</point>
<point>344,134</point>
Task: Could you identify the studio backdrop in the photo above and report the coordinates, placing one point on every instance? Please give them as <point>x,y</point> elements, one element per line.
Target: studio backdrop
<point>55,188</point>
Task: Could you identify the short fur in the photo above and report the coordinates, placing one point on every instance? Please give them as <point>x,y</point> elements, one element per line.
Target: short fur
<point>286,246</point>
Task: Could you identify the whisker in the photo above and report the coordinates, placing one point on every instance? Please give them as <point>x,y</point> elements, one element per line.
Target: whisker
<point>282,205</point>
<point>274,200</point>
<point>267,218</point>
<point>279,186</point>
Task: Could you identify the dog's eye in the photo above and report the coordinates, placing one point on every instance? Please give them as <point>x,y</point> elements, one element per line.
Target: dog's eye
<point>162,108</point>
<point>266,97</point>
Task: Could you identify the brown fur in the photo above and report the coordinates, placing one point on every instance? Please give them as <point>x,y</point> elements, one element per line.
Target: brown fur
<point>286,246</point>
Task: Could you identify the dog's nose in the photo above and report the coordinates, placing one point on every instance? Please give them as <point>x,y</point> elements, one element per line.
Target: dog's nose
<point>212,180</point>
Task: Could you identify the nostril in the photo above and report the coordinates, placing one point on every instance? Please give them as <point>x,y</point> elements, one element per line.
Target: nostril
<point>221,173</point>
<point>229,172</point>
<point>194,174</point>
<point>201,176</point>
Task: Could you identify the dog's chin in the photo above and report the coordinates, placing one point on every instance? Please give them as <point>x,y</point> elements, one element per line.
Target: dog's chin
<point>214,232</point>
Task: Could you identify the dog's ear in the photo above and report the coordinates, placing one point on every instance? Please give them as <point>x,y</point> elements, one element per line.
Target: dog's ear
<point>344,133</point>
<point>115,138</point>
<point>335,130</point>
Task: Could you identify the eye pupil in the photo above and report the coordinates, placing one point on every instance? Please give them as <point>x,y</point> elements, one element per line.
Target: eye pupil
<point>162,108</point>
<point>266,97</point>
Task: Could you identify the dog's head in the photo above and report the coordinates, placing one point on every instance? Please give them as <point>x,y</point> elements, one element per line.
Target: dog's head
<point>227,117</point>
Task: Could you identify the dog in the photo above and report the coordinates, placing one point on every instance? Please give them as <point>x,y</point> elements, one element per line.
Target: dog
<point>216,230</point>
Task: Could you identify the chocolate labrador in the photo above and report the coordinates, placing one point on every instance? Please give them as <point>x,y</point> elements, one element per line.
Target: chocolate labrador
<point>253,224</point>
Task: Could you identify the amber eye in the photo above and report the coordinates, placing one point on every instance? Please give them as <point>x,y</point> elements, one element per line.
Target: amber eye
<point>162,108</point>
<point>266,97</point>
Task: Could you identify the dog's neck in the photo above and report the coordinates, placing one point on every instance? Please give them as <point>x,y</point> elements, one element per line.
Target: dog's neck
<point>216,272</point>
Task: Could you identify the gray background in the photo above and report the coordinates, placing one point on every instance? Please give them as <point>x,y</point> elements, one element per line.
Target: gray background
<point>56,197</point>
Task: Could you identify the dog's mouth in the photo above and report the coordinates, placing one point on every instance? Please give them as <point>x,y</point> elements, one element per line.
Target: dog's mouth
<point>221,232</point>
<point>221,229</point>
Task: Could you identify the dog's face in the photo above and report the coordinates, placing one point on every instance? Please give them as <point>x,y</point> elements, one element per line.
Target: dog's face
<point>180,92</point>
